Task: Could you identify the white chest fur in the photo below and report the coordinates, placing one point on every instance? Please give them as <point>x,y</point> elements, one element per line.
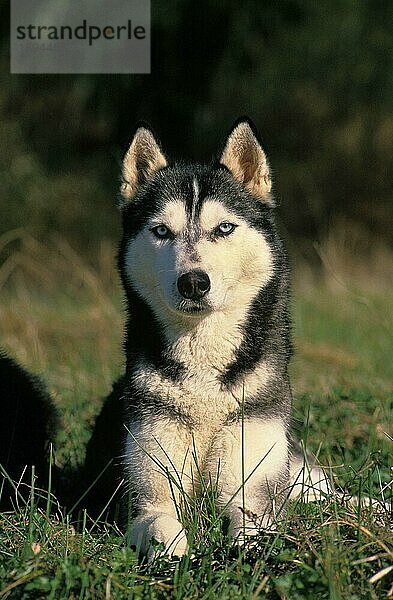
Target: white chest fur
<point>205,351</point>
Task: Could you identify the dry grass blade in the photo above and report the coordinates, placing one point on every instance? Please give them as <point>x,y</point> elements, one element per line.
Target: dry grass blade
<point>260,587</point>
<point>382,573</point>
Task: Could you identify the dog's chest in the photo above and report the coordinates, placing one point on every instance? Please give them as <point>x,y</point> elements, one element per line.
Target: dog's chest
<point>199,395</point>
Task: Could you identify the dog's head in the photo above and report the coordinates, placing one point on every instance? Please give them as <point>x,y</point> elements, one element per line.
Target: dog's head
<point>197,239</point>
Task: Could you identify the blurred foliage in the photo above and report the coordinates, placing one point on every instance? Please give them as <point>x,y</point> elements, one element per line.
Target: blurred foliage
<point>317,78</point>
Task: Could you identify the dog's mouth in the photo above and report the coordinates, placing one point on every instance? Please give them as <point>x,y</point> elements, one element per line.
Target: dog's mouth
<point>193,307</point>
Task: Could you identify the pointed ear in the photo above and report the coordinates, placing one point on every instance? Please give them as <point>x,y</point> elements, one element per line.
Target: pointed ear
<point>143,158</point>
<point>244,157</point>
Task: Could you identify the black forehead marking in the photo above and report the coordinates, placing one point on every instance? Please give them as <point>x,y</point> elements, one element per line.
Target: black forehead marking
<point>214,183</point>
<point>191,190</point>
<point>190,199</point>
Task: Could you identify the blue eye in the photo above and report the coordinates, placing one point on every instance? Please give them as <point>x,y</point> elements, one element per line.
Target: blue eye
<point>225,228</point>
<point>161,232</point>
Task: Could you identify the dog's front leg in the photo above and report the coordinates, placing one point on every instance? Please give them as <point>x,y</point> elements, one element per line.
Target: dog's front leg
<point>250,462</point>
<point>158,471</point>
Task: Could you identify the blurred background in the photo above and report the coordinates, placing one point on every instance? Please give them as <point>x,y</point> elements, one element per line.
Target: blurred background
<point>317,79</point>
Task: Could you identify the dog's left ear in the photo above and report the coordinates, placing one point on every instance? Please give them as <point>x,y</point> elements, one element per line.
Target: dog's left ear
<point>143,158</point>
<point>244,157</point>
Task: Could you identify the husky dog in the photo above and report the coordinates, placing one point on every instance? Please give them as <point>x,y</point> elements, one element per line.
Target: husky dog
<point>207,338</point>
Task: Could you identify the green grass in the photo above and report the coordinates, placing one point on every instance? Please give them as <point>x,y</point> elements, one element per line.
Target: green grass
<point>63,318</point>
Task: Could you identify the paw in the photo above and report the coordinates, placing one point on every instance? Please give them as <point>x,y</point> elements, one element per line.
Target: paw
<point>161,527</point>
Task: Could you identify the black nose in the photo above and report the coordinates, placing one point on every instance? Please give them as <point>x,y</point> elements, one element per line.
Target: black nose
<point>193,285</point>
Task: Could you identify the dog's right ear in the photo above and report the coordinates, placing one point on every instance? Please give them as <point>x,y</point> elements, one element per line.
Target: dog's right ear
<point>143,158</point>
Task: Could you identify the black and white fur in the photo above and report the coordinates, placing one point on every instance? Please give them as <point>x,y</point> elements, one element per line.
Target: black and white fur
<point>207,338</point>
